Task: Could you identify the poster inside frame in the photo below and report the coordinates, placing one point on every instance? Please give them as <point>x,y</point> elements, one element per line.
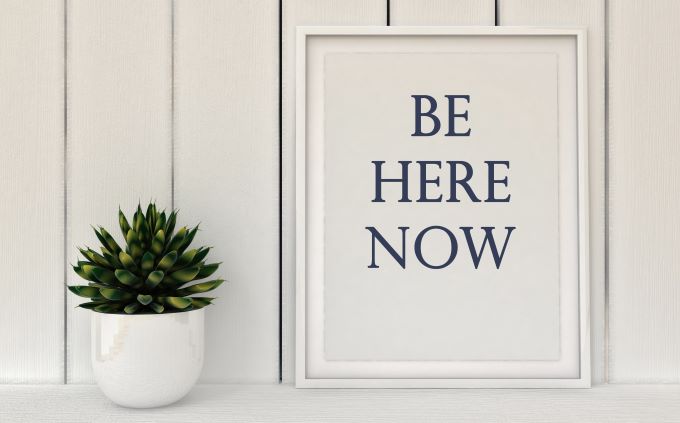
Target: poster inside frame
<point>441,207</point>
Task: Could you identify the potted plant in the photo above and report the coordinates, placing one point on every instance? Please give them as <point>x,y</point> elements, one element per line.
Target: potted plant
<point>147,327</point>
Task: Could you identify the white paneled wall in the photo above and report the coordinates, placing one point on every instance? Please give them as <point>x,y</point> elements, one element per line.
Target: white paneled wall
<point>644,179</point>
<point>32,206</point>
<point>190,102</point>
<point>442,12</point>
<point>226,173</point>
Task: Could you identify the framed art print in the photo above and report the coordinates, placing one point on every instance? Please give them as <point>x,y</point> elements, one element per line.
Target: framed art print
<point>441,192</point>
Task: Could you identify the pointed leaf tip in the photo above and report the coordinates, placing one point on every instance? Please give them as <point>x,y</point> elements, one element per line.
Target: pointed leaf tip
<point>179,303</point>
<point>84,291</point>
<point>200,287</point>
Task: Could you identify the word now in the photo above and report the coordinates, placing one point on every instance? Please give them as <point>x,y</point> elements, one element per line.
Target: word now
<point>457,173</point>
<point>475,253</point>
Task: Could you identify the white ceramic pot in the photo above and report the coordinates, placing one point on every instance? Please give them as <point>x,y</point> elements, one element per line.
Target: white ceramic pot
<point>147,360</point>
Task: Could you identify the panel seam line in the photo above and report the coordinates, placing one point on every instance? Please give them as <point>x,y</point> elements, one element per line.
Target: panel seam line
<point>172,104</point>
<point>606,192</point>
<point>65,192</point>
<point>280,217</point>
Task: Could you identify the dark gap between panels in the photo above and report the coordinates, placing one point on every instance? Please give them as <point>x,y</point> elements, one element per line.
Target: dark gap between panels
<point>65,192</point>
<point>280,375</point>
<point>496,18</point>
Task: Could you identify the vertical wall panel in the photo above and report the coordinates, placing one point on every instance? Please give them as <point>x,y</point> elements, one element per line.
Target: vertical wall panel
<point>306,12</point>
<point>589,14</point>
<point>226,173</point>
<point>442,12</point>
<point>119,129</point>
<point>32,142</point>
<point>644,180</point>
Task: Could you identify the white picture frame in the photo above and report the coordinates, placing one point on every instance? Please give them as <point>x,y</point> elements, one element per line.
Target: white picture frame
<point>425,374</point>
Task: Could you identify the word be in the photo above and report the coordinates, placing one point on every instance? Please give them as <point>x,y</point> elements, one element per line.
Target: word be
<point>436,123</point>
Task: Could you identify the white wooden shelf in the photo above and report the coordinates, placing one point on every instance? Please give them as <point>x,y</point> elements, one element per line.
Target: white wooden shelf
<point>283,403</point>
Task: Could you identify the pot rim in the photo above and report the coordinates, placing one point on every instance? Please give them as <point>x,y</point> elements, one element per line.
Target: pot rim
<point>97,313</point>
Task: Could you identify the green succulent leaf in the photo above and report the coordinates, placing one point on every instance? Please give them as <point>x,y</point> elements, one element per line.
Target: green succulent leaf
<point>138,219</point>
<point>144,299</point>
<point>95,257</point>
<point>131,308</point>
<point>136,251</point>
<point>102,275</point>
<point>179,303</point>
<point>80,272</point>
<point>170,225</point>
<point>112,259</point>
<point>156,307</point>
<point>148,261</point>
<point>160,223</point>
<point>100,237</point>
<point>123,222</point>
<point>188,239</point>
<point>116,294</point>
<point>185,259</point>
<point>144,232</point>
<point>199,288</point>
<point>168,261</point>
<point>169,283</point>
<point>127,261</point>
<point>207,270</point>
<point>154,279</point>
<point>86,254</point>
<point>84,291</point>
<point>151,215</point>
<point>131,237</point>
<point>134,244</point>
<point>185,275</point>
<point>177,239</point>
<point>110,243</point>
<point>200,302</point>
<point>200,255</point>
<point>108,308</point>
<point>91,305</point>
<point>158,242</point>
<point>126,277</point>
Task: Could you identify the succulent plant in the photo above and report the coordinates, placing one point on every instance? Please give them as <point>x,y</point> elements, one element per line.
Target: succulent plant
<point>150,273</point>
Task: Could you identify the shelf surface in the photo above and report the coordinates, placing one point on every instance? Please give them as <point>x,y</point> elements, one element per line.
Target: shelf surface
<point>284,403</point>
